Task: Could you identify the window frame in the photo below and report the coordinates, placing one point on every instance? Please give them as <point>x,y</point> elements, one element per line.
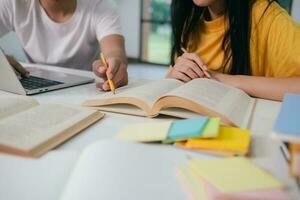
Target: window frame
<point>150,21</point>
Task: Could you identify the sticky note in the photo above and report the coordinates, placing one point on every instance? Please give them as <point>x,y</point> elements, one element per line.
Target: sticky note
<point>189,128</point>
<point>229,139</point>
<point>211,129</point>
<point>271,194</point>
<point>145,132</point>
<point>189,182</point>
<point>234,174</point>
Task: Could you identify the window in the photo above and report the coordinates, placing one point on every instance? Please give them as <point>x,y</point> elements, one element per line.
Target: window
<point>155,31</point>
<point>155,39</point>
<point>287,4</point>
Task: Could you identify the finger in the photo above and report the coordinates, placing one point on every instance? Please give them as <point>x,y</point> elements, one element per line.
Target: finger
<point>190,73</point>
<point>181,76</point>
<point>187,70</point>
<point>121,77</point>
<point>99,69</point>
<point>196,59</point>
<point>103,86</point>
<point>207,74</point>
<point>198,70</point>
<point>18,74</point>
<point>190,65</point>
<point>99,85</point>
<point>18,67</point>
<point>113,67</point>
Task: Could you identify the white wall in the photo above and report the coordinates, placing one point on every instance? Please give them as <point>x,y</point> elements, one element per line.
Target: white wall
<point>296,10</point>
<point>130,21</point>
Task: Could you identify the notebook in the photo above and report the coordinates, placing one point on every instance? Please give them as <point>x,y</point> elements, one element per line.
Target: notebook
<point>287,126</point>
<point>28,128</point>
<point>202,97</point>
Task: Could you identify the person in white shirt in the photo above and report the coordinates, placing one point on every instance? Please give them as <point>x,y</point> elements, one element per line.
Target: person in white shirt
<point>68,33</point>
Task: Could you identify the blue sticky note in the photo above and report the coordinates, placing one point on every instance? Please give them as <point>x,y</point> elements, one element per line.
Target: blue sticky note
<point>287,125</point>
<point>189,128</point>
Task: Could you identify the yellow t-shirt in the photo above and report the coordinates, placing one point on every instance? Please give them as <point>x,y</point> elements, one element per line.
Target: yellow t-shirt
<point>274,45</point>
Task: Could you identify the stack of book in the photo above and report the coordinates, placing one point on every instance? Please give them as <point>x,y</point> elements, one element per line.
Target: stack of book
<point>228,179</point>
<point>287,129</point>
<point>201,134</point>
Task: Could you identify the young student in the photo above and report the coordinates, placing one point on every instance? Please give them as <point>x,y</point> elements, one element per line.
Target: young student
<point>253,45</point>
<point>67,33</point>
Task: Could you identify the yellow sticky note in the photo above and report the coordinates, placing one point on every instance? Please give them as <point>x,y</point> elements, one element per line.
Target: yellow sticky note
<point>234,174</point>
<point>145,132</point>
<point>229,139</point>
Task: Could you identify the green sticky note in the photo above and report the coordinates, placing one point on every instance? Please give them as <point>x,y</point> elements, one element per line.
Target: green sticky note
<point>211,129</point>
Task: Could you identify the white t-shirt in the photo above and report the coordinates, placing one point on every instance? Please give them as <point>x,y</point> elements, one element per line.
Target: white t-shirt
<point>73,44</point>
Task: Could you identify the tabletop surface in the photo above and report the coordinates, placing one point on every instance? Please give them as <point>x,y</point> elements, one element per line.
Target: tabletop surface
<point>265,151</point>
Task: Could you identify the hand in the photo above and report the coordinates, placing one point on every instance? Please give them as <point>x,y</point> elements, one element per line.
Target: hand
<point>188,67</point>
<point>17,67</point>
<point>117,71</point>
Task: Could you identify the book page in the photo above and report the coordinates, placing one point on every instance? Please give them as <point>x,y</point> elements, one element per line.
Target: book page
<point>137,98</point>
<point>123,109</point>
<point>179,113</point>
<point>32,127</point>
<point>149,93</point>
<point>12,104</point>
<point>112,169</point>
<point>228,101</point>
<point>29,179</point>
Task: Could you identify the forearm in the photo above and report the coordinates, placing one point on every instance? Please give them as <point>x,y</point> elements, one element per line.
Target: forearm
<point>263,87</point>
<point>113,46</point>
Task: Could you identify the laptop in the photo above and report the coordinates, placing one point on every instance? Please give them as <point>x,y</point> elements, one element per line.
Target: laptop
<point>39,81</point>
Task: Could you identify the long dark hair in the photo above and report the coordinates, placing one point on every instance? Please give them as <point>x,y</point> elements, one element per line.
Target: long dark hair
<point>185,17</point>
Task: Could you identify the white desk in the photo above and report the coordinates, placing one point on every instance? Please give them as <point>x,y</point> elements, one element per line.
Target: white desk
<point>265,151</point>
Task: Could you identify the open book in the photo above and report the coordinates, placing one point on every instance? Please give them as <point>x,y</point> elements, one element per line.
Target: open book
<point>174,98</point>
<point>30,129</point>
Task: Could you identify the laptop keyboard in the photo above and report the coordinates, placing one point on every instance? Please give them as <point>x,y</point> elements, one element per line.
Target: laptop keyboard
<point>33,82</point>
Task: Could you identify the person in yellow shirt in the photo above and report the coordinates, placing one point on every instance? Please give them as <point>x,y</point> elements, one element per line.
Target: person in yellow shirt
<point>253,45</point>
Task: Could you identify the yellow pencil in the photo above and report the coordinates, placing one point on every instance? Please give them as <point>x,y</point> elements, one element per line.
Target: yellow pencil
<point>110,82</point>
